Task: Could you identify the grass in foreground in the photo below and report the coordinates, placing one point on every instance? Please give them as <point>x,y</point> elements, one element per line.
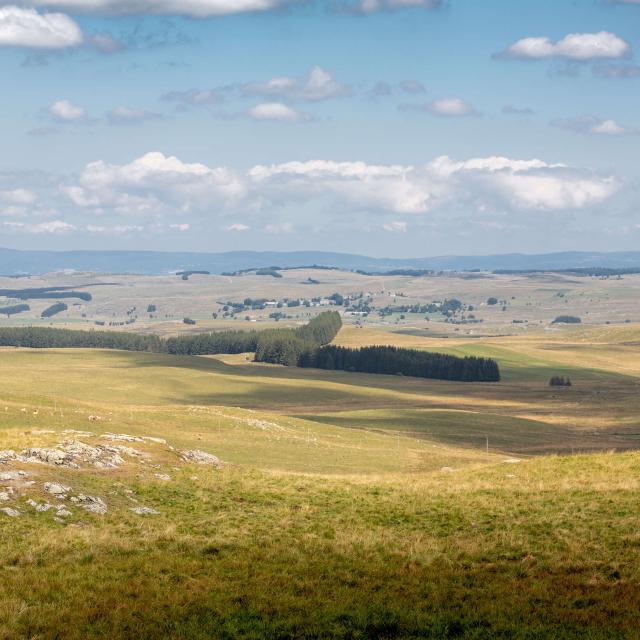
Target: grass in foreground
<point>548,548</point>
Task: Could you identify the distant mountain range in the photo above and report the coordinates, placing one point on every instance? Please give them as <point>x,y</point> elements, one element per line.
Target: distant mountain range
<point>14,262</point>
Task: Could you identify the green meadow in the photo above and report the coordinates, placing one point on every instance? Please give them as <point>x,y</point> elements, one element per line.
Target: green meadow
<point>348,506</point>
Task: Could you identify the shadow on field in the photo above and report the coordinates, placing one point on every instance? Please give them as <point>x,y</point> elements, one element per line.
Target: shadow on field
<point>478,430</point>
<point>462,414</point>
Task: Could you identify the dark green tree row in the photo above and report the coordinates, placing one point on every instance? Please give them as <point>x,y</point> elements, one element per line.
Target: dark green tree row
<point>44,293</point>
<point>407,362</point>
<point>47,338</point>
<point>54,309</point>
<point>306,346</point>
<point>212,343</point>
<point>14,309</point>
<point>271,345</point>
<point>567,320</point>
<point>286,346</point>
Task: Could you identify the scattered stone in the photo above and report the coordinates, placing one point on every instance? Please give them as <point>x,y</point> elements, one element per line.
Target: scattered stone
<point>12,513</point>
<point>57,490</point>
<point>63,512</point>
<point>200,457</point>
<point>163,476</point>
<point>92,504</point>
<point>156,440</point>
<point>9,476</point>
<point>512,461</point>
<point>44,507</point>
<point>41,432</point>
<point>5,496</point>
<point>122,437</point>
<point>73,454</point>
<point>264,425</point>
<point>145,511</point>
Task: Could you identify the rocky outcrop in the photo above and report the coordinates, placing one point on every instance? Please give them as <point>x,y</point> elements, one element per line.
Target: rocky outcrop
<point>200,457</point>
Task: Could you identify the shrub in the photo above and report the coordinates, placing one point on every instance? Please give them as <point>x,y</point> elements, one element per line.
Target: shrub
<point>567,320</point>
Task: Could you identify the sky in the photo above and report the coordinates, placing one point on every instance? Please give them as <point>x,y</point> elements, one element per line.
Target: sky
<point>397,128</point>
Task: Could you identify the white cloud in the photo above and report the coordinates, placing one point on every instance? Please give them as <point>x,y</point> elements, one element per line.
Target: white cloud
<point>65,111</point>
<point>105,43</point>
<point>318,85</point>
<point>125,115</point>
<point>397,226</point>
<point>116,230</point>
<point>18,196</point>
<point>164,194</point>
<point>444,166</point>
<point>445,107</point>
<point>193,8</point>
<point>355,184</point>
<point>154,184</point>
<point>53,227</point>
<point>595,126</point>
<point>281,228</point>
<point>194,97</point>
<point>275,111</point>
<point>553,192</point>
<point>608,128</point>
<point>452,107</point>
<point>27,28</point>
<point>370,6</point>
<point>575,46</point>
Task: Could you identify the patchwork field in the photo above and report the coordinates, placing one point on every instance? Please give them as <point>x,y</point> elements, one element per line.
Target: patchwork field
<point>344,505</point>
<point>524,303</point>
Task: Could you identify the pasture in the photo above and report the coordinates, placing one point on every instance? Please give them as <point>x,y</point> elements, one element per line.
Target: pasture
<point>349,505</point>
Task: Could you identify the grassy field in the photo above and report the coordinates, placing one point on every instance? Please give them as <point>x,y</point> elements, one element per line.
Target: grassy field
<point>349,506</point>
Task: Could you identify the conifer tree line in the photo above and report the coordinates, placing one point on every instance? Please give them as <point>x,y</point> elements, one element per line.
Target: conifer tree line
<point>277,346</point>
<point>48,338</point>
<point>54,309</point>
<point>14,309</point>
<point>407,362</point>
<point>306,346</point>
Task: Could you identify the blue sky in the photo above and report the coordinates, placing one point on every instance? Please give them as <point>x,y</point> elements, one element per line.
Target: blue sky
<point>387,127</point>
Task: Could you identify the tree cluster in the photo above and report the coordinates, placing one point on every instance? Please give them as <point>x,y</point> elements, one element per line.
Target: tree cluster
<point>286,346</point>
<point>54,309</point>
<point>567,320</point>
<point>14,309</point>
<point>408,362</point>
<point>559,381</point>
